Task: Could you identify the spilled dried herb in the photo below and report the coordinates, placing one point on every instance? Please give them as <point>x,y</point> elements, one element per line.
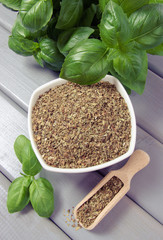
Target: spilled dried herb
<point>70,219</point>
<point>91,209</point>
<point>77,126</point>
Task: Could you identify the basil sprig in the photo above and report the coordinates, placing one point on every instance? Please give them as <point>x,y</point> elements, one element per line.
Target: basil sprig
<point>86,39</point>
<point>26,188</point>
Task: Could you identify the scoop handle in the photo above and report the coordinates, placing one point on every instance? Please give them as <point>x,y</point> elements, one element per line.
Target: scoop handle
<point>138,160</point>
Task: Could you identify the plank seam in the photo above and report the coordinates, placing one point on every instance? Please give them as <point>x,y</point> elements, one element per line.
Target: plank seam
<point>145,130</point>
<point>144,209</point>
<point>14,98</point>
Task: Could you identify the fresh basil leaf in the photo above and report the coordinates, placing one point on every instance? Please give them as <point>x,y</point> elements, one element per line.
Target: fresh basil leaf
<point>22,46</point>
<point>26,156</point>
<point>50,54</point>
<point>114,26</point>
<point>157,50</point>
<point>19,30</point>
<point>86,63</point>
<point>131,84</point>
<point>132,68</point>
<point>129,64</point>
<point>41,197</point>
<point>13,4</point>
<point>51,67</point>
<point>70,13</point>
<point>127,5</point>
<point>88,15</point>
<point>116,75</point>
<point>113,72</point>
<point>19,144</point>
<point>155,1</point>
<point>18,194</point>
<point>147,25</point>
<point>138,84</point>
<point>39,59</point>
<point>36,14</point>
<point>69,38</point>
<point>30,164</point>
<point>102,4</point>
<point>113,53</point>
<point>131,6</point>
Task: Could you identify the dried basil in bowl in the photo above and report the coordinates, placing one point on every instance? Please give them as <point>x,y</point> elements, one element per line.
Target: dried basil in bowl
<point>78,128</point>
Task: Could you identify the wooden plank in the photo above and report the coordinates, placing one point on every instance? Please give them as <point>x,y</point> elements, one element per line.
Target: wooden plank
<point>7,17</point>
<point>149,108</point>
<point>155,64</point>
<point>25,224</point>
<point>150,179</point>
<point>126,220</point>
<point>20,75</point>
<point>146,184</point>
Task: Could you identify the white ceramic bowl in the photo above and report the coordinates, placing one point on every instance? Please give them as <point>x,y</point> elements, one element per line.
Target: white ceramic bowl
<point>40,90</point>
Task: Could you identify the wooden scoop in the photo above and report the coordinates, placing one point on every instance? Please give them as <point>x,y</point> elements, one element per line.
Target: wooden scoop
<point>137,161</point>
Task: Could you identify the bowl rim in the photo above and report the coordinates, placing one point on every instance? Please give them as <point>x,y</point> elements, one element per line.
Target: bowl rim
<point>45,87</point>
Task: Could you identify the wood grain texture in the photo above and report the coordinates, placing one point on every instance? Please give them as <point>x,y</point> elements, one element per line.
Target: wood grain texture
<point>155,64</point>
<point>149,108</point>
<point>20,75</point>
<point>26,224</point>
<point>7,17</point>
<point>126,220</point>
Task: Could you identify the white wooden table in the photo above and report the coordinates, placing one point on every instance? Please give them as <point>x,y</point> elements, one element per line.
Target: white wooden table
<point>139,215</point>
